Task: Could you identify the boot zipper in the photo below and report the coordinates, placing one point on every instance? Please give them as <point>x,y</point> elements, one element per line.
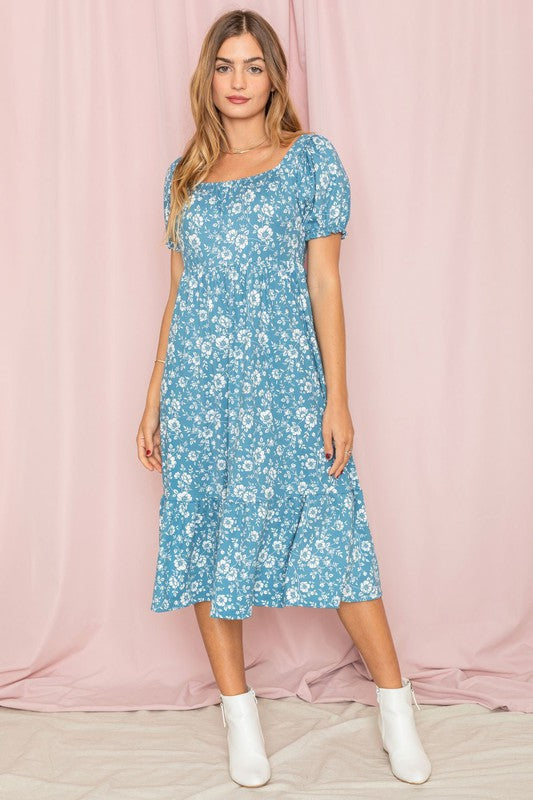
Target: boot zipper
<point>412,693</point>
<point>222,707</point>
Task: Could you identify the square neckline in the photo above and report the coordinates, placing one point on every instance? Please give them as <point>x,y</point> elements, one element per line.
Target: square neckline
<point>257,174</point>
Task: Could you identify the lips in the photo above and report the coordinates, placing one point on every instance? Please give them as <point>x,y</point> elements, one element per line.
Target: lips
<point>237,99</point>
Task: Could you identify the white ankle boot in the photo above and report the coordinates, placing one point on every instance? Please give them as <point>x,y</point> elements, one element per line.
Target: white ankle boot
<point>248,762</point>
<point>396,724</point>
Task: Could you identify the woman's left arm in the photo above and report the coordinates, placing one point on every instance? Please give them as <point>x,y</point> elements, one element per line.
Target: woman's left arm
<point>324,284</point>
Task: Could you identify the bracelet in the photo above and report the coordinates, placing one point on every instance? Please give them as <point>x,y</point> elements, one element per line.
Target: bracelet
<point>159,359</point>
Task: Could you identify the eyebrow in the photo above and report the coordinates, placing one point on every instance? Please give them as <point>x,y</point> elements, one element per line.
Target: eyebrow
<point>245,60</point>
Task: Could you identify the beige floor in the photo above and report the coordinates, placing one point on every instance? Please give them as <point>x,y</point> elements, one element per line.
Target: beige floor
<point>325,750</point>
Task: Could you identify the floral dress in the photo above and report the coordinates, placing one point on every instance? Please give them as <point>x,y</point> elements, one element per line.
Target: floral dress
<point>249,514</point>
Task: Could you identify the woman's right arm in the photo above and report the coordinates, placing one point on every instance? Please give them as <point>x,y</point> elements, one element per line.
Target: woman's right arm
<point>148,435</point>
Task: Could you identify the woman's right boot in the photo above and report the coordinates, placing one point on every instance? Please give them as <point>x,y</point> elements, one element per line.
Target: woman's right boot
<point>248,762</point>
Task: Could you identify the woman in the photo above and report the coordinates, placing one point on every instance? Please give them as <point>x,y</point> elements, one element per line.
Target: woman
<point>247,412</point>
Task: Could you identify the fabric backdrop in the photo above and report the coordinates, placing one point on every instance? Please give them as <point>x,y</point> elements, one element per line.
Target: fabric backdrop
<point>429,105</point>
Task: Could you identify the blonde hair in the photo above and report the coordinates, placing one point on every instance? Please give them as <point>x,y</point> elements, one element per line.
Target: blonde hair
<point>202,150</point>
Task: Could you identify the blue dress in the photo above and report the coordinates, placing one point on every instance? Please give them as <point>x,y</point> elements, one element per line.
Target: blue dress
<point>249,515</point>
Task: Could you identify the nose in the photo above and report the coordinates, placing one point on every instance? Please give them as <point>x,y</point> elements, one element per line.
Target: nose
<point>238,83</point>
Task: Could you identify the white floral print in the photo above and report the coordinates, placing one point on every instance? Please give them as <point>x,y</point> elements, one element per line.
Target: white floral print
<point>249,515</point>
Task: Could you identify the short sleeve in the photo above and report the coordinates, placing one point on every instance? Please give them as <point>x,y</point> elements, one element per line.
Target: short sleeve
<point>166,199</point>
<point>328,190</point>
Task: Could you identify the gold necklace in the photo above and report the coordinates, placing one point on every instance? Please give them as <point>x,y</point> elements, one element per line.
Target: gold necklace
<point>246,149</point>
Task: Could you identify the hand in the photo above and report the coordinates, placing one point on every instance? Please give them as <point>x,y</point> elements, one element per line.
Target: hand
<point>149,440</point>
<point>337,429</point>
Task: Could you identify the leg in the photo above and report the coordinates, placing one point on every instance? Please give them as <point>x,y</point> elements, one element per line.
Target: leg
<point>223,643</point>
<point>248,761</point>
<point>366,622</point>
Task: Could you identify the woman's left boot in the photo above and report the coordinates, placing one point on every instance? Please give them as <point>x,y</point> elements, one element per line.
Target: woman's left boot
<point>396,724</point>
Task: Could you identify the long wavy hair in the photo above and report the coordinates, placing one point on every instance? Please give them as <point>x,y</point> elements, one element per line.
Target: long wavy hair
<point>203,149</point>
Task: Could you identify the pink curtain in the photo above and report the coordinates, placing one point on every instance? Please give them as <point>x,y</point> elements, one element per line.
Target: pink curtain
<point>429,104</point>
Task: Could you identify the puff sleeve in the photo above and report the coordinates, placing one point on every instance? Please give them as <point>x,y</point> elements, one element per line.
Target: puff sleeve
<point>166,199</point>
<point>328,190</point>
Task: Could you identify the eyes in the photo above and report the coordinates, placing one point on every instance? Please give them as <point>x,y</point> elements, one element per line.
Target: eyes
<point>226,66</point>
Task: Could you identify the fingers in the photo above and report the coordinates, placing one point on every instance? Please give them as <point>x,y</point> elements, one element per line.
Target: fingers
<point>341,456</point>
<point>328,444</point>
<point>155,458</point>
<point>149,449</point>
<point>338,444</point>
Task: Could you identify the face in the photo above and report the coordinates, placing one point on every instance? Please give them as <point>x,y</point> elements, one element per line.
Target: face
<point>240,72</point>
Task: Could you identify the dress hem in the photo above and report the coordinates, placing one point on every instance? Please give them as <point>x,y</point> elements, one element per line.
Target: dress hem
<point>177,607</point>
